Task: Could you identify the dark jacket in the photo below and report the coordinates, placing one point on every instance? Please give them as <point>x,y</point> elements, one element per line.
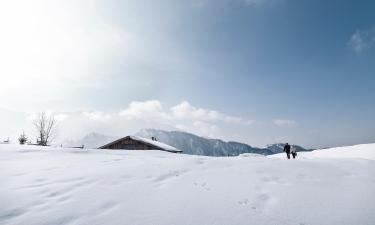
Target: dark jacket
<point>287,148</point>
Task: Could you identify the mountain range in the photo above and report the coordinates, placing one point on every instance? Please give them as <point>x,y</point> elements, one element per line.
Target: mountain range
<point>189,143</point>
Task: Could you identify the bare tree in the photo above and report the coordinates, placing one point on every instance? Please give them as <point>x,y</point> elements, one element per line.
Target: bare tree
<point>45,126</point>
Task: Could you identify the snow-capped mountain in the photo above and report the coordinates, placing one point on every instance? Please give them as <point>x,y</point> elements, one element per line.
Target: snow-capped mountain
<point>279,148</point>
<point>196,145</point>
<point>187,142</point>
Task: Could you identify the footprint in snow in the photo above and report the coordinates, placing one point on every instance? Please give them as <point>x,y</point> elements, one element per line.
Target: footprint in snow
<point>262,202</point>
<point>53,194</point>
<point>202,185</point>
<point>39,180</point>
<point>200,161</point>
<point>307,178</point>
<point>275,180</point>
<point>244,202</point>
<point>120,159</point>
<point>169,175</point>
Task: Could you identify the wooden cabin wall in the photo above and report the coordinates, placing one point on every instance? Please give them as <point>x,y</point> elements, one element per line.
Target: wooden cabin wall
<point>130,144</point>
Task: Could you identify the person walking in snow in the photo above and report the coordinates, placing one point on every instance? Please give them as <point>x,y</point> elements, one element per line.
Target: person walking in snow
<point>294,151</point>
<point>287,150</point>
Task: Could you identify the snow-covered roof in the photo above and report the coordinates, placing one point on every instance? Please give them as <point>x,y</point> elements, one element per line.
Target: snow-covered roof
<point>156,144</point>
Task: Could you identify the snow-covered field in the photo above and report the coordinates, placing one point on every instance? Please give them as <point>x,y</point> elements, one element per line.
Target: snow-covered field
<point>65,186</point>
<point>364,151</point>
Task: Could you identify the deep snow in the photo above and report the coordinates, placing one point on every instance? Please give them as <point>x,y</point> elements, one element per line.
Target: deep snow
<point>70,186</point>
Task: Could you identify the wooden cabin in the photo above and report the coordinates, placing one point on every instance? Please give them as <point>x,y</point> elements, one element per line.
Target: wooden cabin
<point>139,143</point>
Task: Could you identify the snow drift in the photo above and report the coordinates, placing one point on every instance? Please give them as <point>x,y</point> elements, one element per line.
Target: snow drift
<point>69,186</point>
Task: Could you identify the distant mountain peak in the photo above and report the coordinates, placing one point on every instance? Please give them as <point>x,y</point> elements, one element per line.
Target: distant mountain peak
<point>196,145</point>
<point>189,143</point>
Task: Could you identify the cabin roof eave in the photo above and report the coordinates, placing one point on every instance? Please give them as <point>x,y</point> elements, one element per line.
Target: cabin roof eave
<point>147,142</point>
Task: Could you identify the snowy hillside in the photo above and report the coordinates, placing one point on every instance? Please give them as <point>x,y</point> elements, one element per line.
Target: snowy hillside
<point>195,145</point>
<point>78,187</point>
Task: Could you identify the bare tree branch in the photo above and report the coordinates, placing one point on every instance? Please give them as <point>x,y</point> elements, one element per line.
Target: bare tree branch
<point>46,128</point>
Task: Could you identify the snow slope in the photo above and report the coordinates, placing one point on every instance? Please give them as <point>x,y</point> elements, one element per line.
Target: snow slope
<point>71,186</point>
<point>364,151</point>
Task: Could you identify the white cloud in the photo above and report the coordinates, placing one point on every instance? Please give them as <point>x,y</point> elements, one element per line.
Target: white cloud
<point>151,110</point>
<point>154,110</point>
<point>186,111</point>
<point>97,115</point>
<point>146,114</point>
<point>206,129</point>
<point>284,123</point>
<point>182,116</point>
<point>362,40</point>
<point>61,116</point>
<point>250,122</point>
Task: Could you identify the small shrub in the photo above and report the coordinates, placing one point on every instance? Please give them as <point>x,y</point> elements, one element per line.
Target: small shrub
<point>22,139</point>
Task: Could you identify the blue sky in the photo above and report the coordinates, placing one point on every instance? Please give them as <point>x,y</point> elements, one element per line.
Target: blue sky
<point>257,71</point>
